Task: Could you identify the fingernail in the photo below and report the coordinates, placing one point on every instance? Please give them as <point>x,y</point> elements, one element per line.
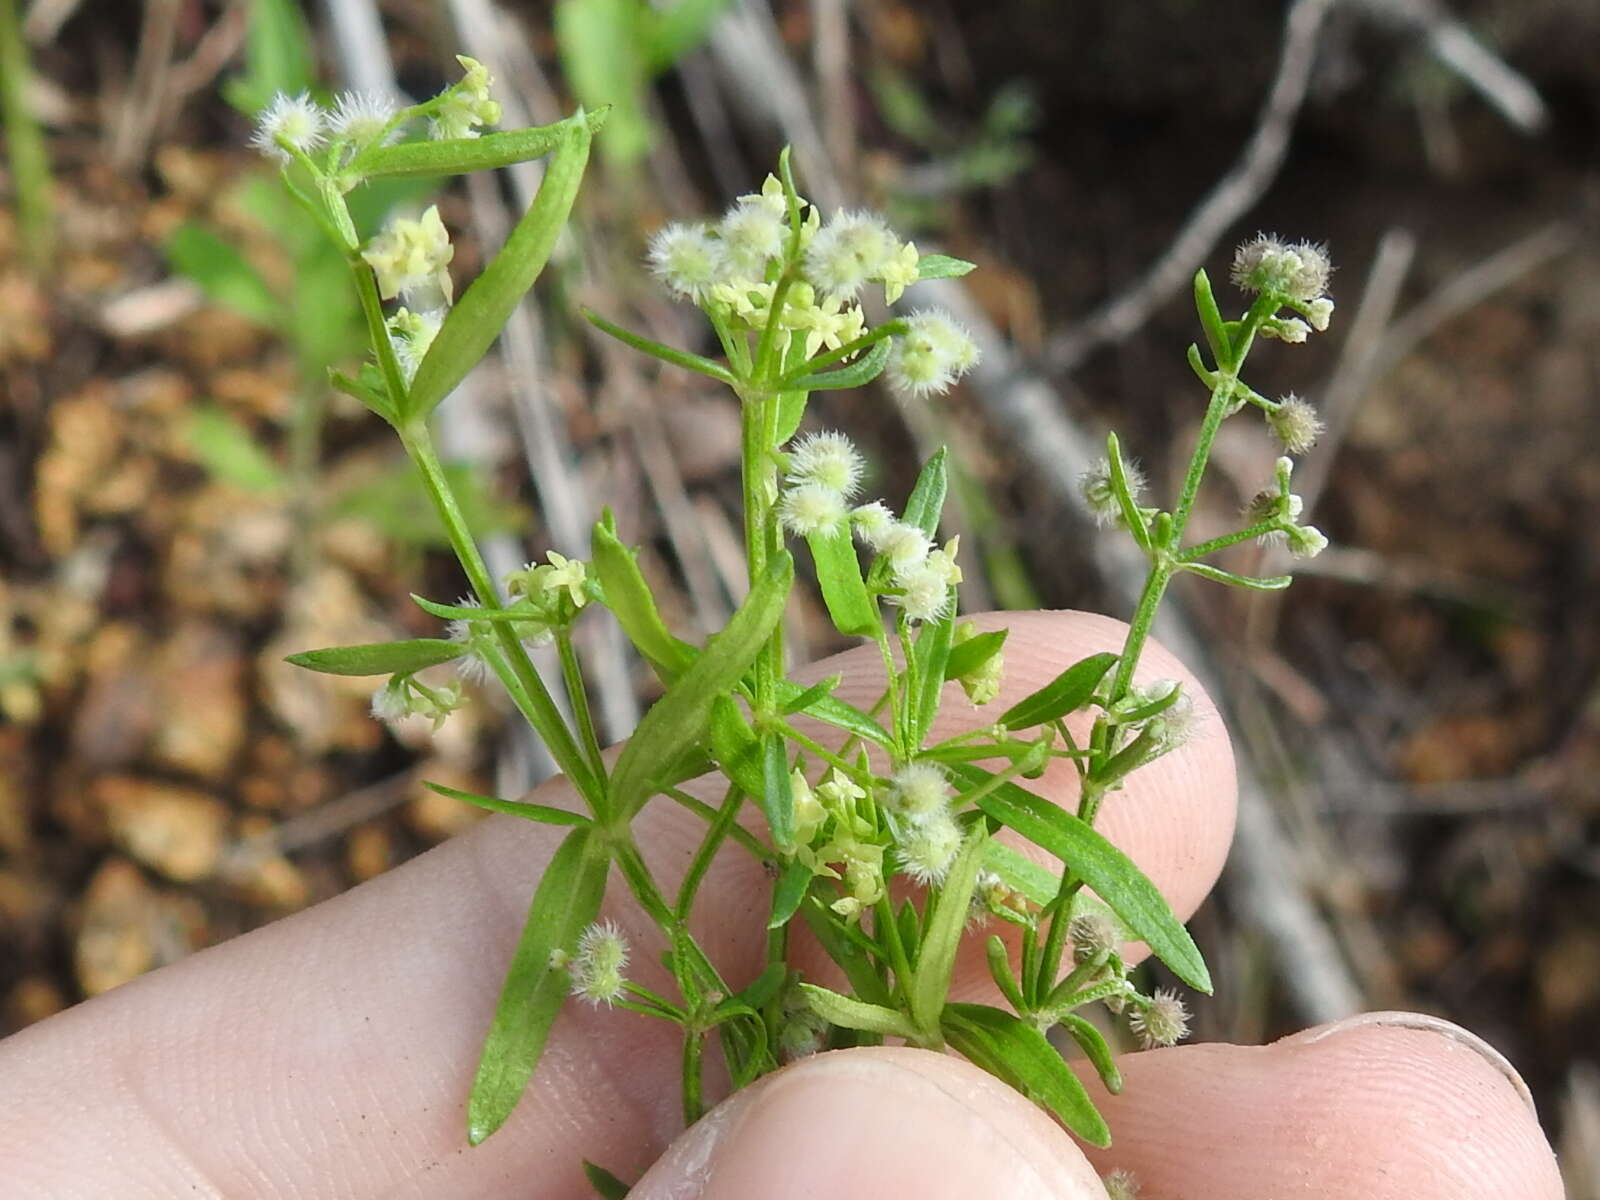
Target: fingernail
<point>1427,1024</point>
<point>869,1124</point>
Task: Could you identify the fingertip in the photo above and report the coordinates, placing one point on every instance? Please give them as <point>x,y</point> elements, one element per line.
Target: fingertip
<point>871,1123</point>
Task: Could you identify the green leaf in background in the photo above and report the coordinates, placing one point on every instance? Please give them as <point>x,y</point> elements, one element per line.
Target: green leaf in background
<point>1093,1044</point>
<point>541,813</point>
<point>226,278</point>
<point>630,600</point>
<point>566,901</point>
<point>277,56</point>
<point>966,657</point>
<point>606,1185</point>
<point>462,156</point>
<point>230,453</point>
<point>927,496</point>
<point>380,658</point>
<point>853,611</point>
<point>936,959</point>
<point>1111,873</point>
<point>1067,692</point>
<point>1013,1050</point>
<point>942,266</point>
<point>476,320</point>
<point>681,716</point>
<point>673,30</point>
<point>395,505</point>
<point>848,1013</point>
<point>603,60</point>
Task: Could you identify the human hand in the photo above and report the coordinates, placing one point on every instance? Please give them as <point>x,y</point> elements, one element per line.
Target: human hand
<point>331,1053</point>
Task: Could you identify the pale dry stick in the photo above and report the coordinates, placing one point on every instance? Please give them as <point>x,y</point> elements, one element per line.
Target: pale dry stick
<point>749,53</point>
<point>1455,47</point>
<point>1353,374</point>
<point>491,36</point>
<point>711,118</point>
<point>361,46</point>
<point>1229,199</point>
<point>45,19</point>
<point>652,451</point>
<point>830,61</point>
<point>1580,1131</point>
<point>214,51</point>
<point>137,116</point>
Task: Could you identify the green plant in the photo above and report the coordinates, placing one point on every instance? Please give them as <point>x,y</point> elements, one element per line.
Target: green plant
<point>880,796</point>
<point>28,158</point>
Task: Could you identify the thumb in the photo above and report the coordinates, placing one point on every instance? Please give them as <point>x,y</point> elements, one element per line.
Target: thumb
<point>871,1123</point>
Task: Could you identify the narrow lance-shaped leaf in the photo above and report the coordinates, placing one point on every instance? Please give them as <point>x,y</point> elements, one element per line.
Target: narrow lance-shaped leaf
<point>948,921</point>
<point>1018,1053</point>
<point>606,1185</point>
<point>1093,1044</point>
<point>932,651</point>
<point>475,322</point>
<point>737,749</point>
<point>942,266</point>
<point>680,717</point>
<point>789,893</point>
<point>856,1014</point>
<point>1103,867</point>
<point>379,658</point>
<point>966,657</point>
<point>836,712</point>
<point>566,901</point>
<point>853,611</point>
<point>1270,583</point>
<point>776,796</point>
<point>630,600</point>
<point>927,496</point>
<point>861,372</point>
<point>462,156</point>
<point>1067,692</point>
<point>1211,321</point>
<point>541,813</point>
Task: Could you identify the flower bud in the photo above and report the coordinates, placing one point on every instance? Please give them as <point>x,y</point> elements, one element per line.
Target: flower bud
<point>466,105</point>
<point>1295,423</point>
<point>289,122</point>
<point>1162,1020</point>
<point>829,459</point>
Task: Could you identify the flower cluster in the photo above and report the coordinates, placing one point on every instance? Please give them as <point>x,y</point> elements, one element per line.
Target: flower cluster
<point>406,696</point>
<point>595,970</point>
<point>459,110</point>
<point>925,831</point>
<point>837,835</point>
<point>1279,508</point>
<point>738,268</point>
<point>922,576</point>
<point>1296,276</point>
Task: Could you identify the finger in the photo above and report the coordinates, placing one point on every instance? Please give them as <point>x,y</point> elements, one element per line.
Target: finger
<point>863,1124</point>
<point>1386,1106</point>
<point>335,1049</point>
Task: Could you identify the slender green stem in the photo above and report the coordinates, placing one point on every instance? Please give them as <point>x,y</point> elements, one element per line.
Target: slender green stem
<point>701,863</point>
<point>578,695</point>
<point>1193,553</point>
<point>545,717</point>
<point>693,1048</point>
<point>708,814</point>
<point>888,931</point>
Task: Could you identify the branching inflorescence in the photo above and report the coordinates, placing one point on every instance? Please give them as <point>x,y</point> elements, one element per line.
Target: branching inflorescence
<point>785,292</point>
